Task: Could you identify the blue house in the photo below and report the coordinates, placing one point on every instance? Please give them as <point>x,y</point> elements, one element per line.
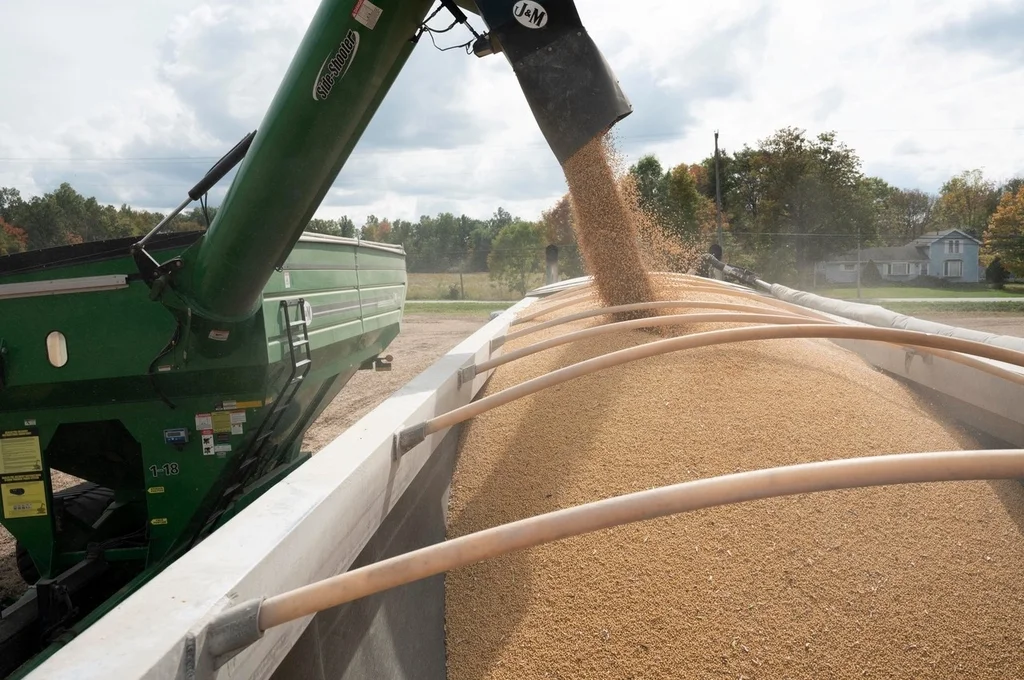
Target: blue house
<point>951,254</point>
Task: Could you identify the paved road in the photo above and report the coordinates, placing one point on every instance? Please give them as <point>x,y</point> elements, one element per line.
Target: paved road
<point>497,303</point>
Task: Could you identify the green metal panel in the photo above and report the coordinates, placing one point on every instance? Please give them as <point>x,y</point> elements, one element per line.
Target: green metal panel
<point>102,416</point>
<point>94,324</point>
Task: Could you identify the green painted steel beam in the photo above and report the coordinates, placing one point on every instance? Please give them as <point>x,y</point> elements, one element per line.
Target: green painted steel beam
<point>339,76</point>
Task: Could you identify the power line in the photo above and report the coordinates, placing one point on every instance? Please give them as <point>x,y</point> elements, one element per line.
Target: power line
<point>674,134</point>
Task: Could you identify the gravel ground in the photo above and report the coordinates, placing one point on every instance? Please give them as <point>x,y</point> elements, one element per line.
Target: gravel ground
<point>898,582</point>
<point>423,340</point>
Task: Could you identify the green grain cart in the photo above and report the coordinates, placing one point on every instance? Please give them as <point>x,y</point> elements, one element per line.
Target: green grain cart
<point>177,373</point>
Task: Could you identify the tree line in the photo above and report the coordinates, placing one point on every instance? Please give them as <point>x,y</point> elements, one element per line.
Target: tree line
<point>792,200</point>
<point>788,202</point>
<point>509,247</point>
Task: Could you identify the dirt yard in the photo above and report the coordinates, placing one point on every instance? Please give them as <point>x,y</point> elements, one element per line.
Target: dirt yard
<point>423,340</point>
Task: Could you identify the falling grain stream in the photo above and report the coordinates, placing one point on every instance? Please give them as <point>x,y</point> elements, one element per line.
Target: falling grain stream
<point>892,582</point>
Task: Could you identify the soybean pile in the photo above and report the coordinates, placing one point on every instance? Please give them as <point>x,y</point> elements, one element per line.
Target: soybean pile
<point>895,582</point>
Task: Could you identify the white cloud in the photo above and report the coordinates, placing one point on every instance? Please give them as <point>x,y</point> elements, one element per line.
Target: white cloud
<point>909,85</point>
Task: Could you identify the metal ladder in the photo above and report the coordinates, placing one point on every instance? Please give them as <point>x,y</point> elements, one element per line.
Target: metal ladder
<point>261,450</point>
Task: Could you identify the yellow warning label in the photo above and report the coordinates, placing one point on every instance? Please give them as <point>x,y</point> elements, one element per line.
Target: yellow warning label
<point>231,405</point>
<point>32,477</point>
<point>221,421</point>
<point>20,454</point>
<point>156,489</point>
<point>27,499</point>
<point>157,521</point>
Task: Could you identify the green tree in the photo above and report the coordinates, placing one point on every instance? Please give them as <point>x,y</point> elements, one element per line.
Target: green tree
<point>339,227</point>
<point>10,202</point>
<point>870,275</point>
<point>996,274</point>
<point>501,219</point>
<point>651,184</point>
<point>705,177</point>
<point>515,254</point>
<point>1012,186</point>
<point>682,203</point>
<point>794,201</point>
<point>906,214</point>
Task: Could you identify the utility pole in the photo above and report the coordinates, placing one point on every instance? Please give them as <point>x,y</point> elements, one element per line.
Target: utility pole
<point>718,196</point>
<point>858,263</point>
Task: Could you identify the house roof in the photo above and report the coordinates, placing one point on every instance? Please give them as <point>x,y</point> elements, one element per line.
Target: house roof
<point>908,253</point>
<point>931,236</point>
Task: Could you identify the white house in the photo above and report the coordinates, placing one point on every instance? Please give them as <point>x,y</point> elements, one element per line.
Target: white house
<point>951,254</point>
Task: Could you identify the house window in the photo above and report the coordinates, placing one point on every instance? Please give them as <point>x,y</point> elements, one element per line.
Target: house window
<point>954,268</point>
<point>849,267</point>
<point>899,268</point>
<point>953,246</point>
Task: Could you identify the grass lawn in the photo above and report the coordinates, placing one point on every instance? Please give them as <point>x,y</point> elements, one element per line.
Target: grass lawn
<point>1011,308</point>
<point>895,292</point>
<point>477,286</point>
<point>475,309</point>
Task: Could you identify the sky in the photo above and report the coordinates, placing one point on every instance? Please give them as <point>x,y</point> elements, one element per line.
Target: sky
<point>132,101</point>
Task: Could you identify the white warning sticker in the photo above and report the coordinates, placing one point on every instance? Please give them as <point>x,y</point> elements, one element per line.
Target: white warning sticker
<point>204,421</point>
<point>208,444</point>
<point>236,428</point>
<point>366,13</point>
<point>237,417</point>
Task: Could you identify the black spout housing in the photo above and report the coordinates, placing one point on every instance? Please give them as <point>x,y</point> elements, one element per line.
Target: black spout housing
<point>568,84</point>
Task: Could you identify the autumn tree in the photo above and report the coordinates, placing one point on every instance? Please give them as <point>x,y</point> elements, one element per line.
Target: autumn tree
<point>12,239</point>
<point>371,229</point>
<point>966,201</point>
<point>515,254</point>
<point>1004,237</point>
<point>557,226</point>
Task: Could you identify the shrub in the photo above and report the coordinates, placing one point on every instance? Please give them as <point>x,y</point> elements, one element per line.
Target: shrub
<point>870,276</point>
<point>929,281</point>
<point>996,274</point>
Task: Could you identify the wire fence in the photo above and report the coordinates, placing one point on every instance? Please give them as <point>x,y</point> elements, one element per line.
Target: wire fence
<point>810,261</point>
